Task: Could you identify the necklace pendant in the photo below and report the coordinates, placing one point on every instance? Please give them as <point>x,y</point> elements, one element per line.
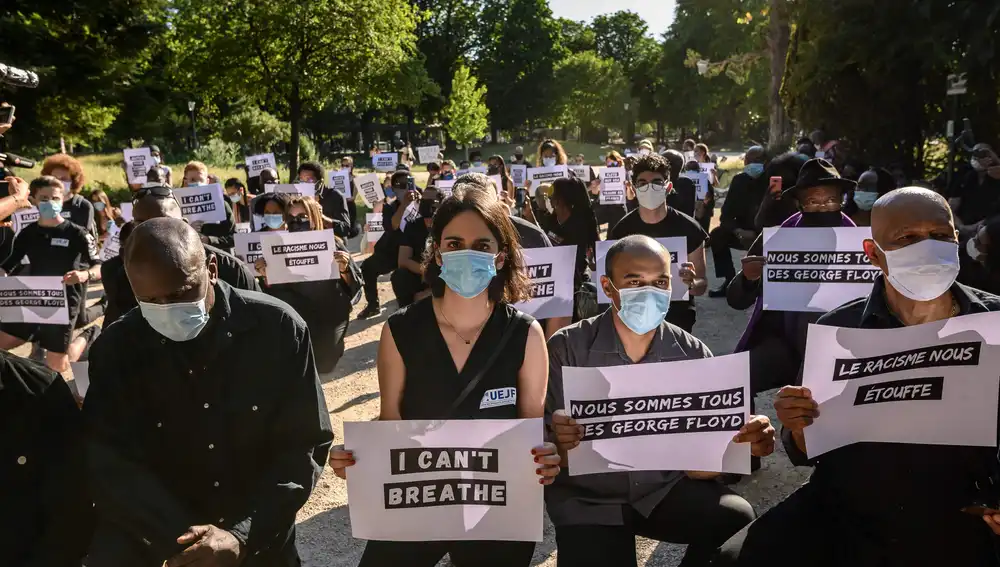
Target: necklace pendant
<point>468,342</point>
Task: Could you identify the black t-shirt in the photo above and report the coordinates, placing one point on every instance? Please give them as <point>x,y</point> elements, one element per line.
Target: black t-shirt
<point>53,251</point>
<point>415,236</point>
<point>334,205</point>
<point>683,196</point>
<point>80,212</point>
<point>577,230</point>
<point>674,224</point>
<point>388,244</point>
<point>530,235</point>
<point>979,200</point>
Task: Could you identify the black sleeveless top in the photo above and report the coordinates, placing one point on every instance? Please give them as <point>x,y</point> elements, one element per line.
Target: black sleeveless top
<point>432,383</point>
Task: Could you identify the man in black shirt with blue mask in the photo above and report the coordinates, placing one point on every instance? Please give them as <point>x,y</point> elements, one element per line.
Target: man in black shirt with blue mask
<point>200,453</point>
<point>885,504</point>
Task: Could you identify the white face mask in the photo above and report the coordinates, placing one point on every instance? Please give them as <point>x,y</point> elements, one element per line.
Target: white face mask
<point>548,161</point>
<point>644,152</point>
<point>922,271</point>
<point>652,196</point>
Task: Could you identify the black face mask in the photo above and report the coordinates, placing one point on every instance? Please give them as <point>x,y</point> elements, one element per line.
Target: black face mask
<point>821,219</point>
<point>519,157</point>
<point>493,170</point>
<point>426,208</point>
<point>299,224</point>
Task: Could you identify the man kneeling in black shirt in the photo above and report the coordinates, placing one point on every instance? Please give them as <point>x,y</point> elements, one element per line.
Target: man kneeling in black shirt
<point>408,279</point>
<point>55,247</point>
<point>151,203</point>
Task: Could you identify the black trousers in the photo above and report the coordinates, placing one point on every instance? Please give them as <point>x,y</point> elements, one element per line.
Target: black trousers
<point>723,240</point>
<point>373,267</point>
<point>702,514</point>
<point>406,284</point>
<point>463,553</point>
<point>806,529</point>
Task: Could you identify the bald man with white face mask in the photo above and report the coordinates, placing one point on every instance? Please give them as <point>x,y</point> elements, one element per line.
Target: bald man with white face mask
<point>885,504</point>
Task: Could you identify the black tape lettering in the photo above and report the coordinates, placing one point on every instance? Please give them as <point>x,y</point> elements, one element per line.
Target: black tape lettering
<point>539,271</point>
<point>663,426</point>
<point>954,354</point>
<point>409,461</point>
<point>543,289</point>
<point>445,492</point>
<point>901,391</point>
<point>298,261</point>
<point>821,275</point>
<point>697,401</point>
<point>799,258</point>
<point>298,248</point>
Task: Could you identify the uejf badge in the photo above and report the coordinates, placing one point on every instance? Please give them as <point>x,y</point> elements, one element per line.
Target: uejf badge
<point>498,397</point>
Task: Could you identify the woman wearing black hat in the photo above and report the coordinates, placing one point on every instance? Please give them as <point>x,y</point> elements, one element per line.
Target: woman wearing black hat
<point>776,340</point>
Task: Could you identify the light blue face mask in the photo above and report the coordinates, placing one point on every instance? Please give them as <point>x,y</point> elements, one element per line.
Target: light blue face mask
<point>643,308</point>
<point>49,209</point>
<point>865,200</point>
<point>274,222</point>
<point>754,169</point>
<point>468,272</point>
<point>98,206</point>
<point>235,197</point>
<point>178,322</point>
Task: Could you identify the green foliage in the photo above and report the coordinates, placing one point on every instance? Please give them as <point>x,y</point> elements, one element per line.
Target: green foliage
<point>466,110</point>
<point>307,149</point>
<point>621,36</point>
<point>253,129</point>
<point>577,37</point>
<point>78,121</point>
<point>446,33</point>
<point>517,54</point>
<point>218,153</point>
<point>590,93</point>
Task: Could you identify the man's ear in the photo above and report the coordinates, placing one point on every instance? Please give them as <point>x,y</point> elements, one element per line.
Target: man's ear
<point>874,254</point>
<point>609,290</point>
<point>213,269</point>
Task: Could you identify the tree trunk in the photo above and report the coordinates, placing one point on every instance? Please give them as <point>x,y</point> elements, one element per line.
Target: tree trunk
<point>410,121</point>
<point>778,38</point>
<point>295,117</point>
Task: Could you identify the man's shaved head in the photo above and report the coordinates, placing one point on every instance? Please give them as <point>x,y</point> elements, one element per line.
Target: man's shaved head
<point>635,246</point>
<point>166,263</point>
<point>905,209</point>
<point>152,207</point>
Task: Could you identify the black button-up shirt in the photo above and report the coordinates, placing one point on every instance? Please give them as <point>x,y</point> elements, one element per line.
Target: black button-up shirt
<point>230,429</point>
<point>598,499</point>
<point>904,500</point>
<point>46,517</point>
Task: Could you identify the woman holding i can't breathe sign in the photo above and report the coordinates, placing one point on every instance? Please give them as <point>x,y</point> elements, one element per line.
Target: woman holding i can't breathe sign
<point>467,333</point>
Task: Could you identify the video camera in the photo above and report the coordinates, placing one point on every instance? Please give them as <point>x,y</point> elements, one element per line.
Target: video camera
<point>18,77</point>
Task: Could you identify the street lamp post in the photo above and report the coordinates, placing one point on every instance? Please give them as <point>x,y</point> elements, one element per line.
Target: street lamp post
<point>702,66</point>
<point>194,130</point>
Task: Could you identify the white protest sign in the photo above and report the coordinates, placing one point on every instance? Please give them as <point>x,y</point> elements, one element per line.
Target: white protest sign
<point>258,163</point>
<point>551,273</point>
<point>81,377</point>
<point>481,169</point>
<point>385,162</point>
<point>370,189</point>
<point>428,154</point>
<point>518,174</point>
<point>460,173</point>
<point>112,243</point>
<point>257,222</point>
<point>138,162</point>
<point>450,480</point>
<point>815,269</point>
<point>299,256</point>
<point>292,189</point>
<point>23,218</point>
<point>202,203</point>
<point>931,384</point>
<point>820,154</point>
<point>341,181</point>
<point>247,246</point>
<point>676,245</point>
<point>661,416</point>
<point>243,228</point>
<point>445,186</point>
<point>540,175</point>
<point>33,299</point>
<point>581,172</point>
<point>410,214</point>
<point>706,167</point>
<point>497,182</point>
<point>701,183</point>
<point>612,186</point>
<point>126,209</point>
<point>373,227</point>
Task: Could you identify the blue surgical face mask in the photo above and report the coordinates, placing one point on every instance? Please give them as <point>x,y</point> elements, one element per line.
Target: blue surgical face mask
<point>468,272</point>
<point>274,221</point>
<point>195,184</point>
<point>49,209</point>
<point>98,206</point>
<point>754,169</point>
<point>448,176</point>
<point>477,164</point>
<point>235,197</point>
<point>178,322</point>
<point>643,308</point>
<point>865,200</point>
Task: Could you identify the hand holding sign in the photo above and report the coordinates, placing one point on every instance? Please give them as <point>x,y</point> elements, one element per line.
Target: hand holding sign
<point>686,273</point>
<point>796,410</point>
<point>568,432</point>
<point>340,459</point>
<point>753,267</point>
<point>547,457</point>
<point>759,433</point>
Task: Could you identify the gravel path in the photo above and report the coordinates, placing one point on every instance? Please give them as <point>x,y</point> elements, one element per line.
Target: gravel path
<point>324,530</point>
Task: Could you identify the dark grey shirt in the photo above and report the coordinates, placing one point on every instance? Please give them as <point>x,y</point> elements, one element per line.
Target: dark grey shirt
<point>599,499</point>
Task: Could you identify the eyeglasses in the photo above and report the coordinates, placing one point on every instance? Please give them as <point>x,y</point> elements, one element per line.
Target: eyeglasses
<point>819,205</point>
<point>658,187</point>
<point>159,192</point>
